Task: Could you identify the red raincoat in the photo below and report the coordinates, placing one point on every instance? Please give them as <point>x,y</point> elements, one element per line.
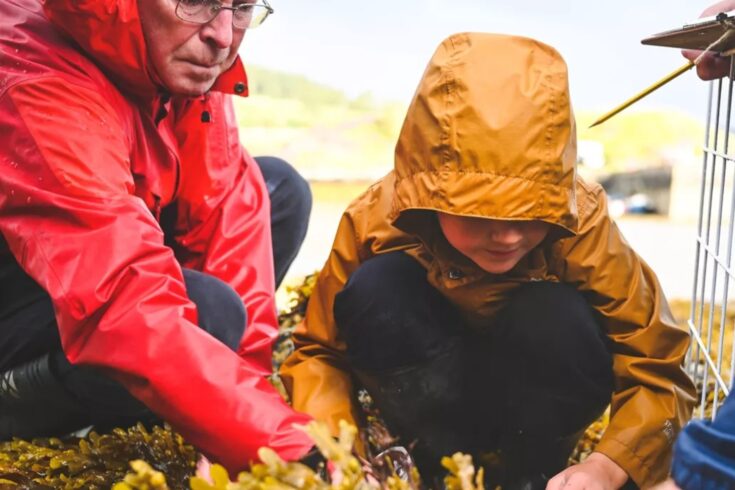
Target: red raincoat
<point>90,152</point>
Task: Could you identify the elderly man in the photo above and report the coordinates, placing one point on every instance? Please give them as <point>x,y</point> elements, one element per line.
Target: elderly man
<point>140,245</point>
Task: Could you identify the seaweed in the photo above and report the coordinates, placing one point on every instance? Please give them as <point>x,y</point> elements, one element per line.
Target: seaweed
<point>348,472</point>
<point>162,460</point>
<point>96,461</point>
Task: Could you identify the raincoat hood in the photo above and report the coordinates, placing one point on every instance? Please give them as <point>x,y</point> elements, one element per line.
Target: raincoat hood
<point>491,116</point>
<point>110,32</point>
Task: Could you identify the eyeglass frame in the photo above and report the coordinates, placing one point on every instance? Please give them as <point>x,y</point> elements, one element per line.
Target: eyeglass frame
<point>270,11</point>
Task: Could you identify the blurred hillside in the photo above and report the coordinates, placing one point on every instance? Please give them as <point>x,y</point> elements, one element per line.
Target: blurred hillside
<point>329,136</point>
<point>642,139</point>
<point>321,131</point>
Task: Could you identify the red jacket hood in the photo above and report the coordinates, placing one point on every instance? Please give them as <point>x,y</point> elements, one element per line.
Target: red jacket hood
<point>111,33</point>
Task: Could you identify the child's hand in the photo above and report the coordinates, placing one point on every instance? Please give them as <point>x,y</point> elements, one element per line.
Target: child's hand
<point>597,472</point>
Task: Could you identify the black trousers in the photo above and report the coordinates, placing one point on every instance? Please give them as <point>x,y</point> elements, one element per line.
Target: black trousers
<point>542,370</point>
<point>28,327</point>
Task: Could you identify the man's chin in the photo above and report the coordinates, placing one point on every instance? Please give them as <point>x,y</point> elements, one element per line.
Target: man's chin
<point>191,89</point>
<point>190,86</point>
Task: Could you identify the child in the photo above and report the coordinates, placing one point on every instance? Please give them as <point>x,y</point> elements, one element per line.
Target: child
<point>483,295</point>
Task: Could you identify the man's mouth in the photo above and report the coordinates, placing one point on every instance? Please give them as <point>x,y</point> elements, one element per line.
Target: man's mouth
<point>203,65</point>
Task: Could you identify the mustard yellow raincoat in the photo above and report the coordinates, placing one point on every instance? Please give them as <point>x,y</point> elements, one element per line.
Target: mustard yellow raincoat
<point>491,133</point>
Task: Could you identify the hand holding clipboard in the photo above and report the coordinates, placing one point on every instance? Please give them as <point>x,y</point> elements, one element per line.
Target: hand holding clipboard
<point>707,44</point>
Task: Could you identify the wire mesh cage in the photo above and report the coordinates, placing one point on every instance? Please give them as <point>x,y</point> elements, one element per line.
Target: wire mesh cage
<point>711,358</point>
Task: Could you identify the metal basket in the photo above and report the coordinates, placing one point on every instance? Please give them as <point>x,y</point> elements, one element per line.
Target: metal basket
<point>711,358</point>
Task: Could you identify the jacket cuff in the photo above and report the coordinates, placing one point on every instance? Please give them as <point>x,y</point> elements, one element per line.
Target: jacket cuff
<point>627,459</point>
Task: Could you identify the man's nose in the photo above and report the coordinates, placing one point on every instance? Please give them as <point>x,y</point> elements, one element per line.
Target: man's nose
<point>218,31</point>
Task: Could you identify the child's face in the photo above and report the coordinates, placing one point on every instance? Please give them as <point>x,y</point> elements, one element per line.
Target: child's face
<point>494,245</point>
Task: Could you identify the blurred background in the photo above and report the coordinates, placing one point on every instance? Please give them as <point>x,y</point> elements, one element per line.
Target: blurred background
<point>330,82</point>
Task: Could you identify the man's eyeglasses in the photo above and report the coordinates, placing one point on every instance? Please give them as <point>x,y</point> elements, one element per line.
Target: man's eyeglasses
<point>244,15</point>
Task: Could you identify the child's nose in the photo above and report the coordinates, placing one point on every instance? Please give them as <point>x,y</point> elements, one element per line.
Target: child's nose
<point>506,233</point>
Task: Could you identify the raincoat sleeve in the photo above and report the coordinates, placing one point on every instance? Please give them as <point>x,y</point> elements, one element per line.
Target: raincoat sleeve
<point>316,374</point>
<point>69,216</point>
<point>223,217</point>
<point>704,454</point>
<point>653,396</point>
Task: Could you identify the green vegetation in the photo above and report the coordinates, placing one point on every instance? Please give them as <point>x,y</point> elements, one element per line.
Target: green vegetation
<point>639,139</point>
<point>326,134</point>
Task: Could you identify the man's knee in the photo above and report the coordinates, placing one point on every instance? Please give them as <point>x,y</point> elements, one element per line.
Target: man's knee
<point>101,396</point>
<point>389,315</point>
<point>288,190</point>
<point>221,310</point>
<point>290,198</point>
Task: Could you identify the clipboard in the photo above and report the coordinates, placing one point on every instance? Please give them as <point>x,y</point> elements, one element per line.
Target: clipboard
<point>712,34</point>
<point>699,35</point>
